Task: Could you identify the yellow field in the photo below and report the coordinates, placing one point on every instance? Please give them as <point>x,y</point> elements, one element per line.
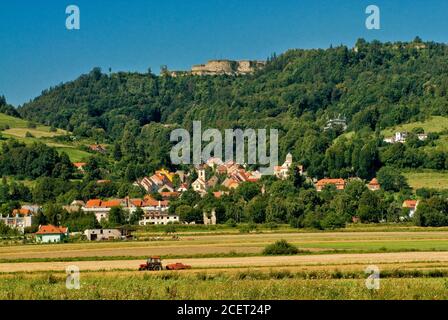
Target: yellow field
<point>239,243</point>
<point>412,264</point>
<point>326,262</point>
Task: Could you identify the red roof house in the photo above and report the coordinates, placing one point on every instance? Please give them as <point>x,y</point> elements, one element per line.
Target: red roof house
<point>339,183</point>
<point>50,233</point>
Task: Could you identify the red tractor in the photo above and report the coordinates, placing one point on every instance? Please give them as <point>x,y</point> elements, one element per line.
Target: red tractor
<point>153,264</point>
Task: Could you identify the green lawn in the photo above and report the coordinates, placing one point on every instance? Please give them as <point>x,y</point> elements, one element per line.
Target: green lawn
<point>74,154</point>
<point>12,121</point>
<point>441,144</point>
<point>427,179</point>
<point>433,124</point>
<point>19,127</point>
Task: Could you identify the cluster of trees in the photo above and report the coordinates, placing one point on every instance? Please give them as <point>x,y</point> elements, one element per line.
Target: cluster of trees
<point>409,155</point>
<point>33,161</point>
<point>432,212</point>
<point>7,108</point>
<point>364,153</point>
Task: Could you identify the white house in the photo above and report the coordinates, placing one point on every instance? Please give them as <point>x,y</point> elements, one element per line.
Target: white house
<point>281,172</point>
<point>412,205</point>
<point>155,217</point>
<point>102,208</point>
<point>19,219</point>
<point>51,234</point>
<point>200,184</point>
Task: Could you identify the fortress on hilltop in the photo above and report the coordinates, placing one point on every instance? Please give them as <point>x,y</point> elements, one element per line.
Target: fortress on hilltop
<point>219,67</point>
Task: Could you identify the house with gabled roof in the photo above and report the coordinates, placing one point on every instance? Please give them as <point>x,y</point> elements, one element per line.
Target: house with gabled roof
<point>373,185</point>
<point>338,183</point>
<point>231,183</point>
<point>182,188</point>
<point>101,208</point>
<point>51,234</point>
<point>412,206</point>
<point>156,183</point>
<point>80,166</point>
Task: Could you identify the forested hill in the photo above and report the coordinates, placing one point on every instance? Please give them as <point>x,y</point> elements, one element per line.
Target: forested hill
<point>375,85</point>
<point>378,84</point>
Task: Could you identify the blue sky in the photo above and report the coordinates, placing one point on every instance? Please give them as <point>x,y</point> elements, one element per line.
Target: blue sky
<point>37,51</point>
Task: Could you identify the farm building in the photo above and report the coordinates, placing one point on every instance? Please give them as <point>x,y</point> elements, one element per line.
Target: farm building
<point>102,234</point>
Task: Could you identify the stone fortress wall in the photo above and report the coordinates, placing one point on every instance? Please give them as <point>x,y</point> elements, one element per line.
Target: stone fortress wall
<point>219,67</point>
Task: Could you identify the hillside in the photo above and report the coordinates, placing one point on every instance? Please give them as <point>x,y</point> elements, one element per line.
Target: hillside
<point>432,124</point>
<point>17,128</point>
<point>379,85</point>
<point>20,130</point>
<point>375,86</point>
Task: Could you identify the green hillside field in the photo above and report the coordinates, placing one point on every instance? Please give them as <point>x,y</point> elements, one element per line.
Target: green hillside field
<point>433,124</point>
<point>18,128</point>
<point>427,179</point>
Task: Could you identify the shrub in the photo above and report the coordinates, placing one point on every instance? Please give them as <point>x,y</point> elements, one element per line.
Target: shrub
<point>31,125</point>
<point>271,225</point>
<point>170,229</point>
<point>29,135</point>
<point>333,221</point>
<point>248,227</point>
<point>231,223</point>
<point>281,247</point>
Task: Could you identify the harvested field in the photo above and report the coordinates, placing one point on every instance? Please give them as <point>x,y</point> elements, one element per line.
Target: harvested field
<point>211,263</point>
<point>239,243</point>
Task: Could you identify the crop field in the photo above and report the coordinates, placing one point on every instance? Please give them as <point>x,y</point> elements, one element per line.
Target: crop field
<point>240,285</point>
<point>242,244</point>
<point>330,265</point>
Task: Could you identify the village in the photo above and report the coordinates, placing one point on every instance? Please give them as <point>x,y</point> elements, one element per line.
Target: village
<point>160,191</point>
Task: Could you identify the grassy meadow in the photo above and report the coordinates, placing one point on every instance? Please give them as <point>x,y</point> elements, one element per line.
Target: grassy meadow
<point>427,179</point>
<point>433,124</point>
<point>18,129</point>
